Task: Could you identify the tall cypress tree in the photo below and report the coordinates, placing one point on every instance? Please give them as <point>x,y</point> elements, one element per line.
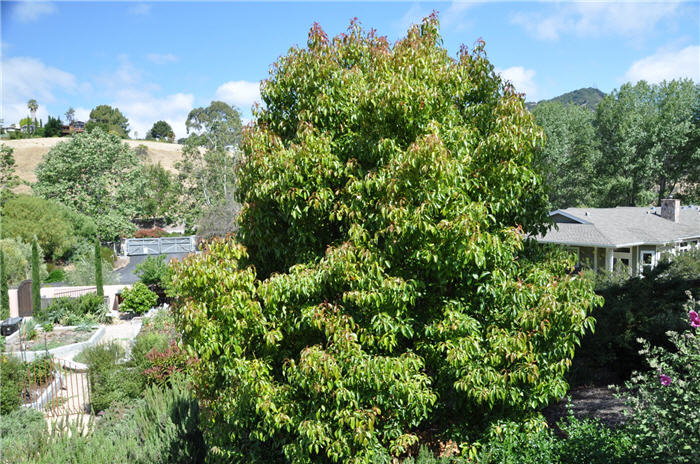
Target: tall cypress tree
<point>36,279</point>
<point>4,293</point>
<point>98,268</point>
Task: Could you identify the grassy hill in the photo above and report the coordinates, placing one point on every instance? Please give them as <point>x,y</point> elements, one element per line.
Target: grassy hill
<point>588,97</point>
<point>29,153</point>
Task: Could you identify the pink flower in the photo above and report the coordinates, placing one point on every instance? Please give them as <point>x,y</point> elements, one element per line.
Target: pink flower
<point>665,380</point>
<point>694,318</point>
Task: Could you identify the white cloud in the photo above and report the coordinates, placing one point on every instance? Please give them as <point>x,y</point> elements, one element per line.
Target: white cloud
<point>239,93</point>
<point>143,109</point>
<point>82,114</point>
<point>26,78</point>
<point>140,9</point>
<point>592,19</point>
<point>162,58</point>
<point>666,65</point>
<point>29,11</point>
<point>140,101</point>
<point>522,79</point>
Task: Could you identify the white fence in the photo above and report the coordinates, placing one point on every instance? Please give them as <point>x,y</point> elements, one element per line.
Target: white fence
<point>157,246</point>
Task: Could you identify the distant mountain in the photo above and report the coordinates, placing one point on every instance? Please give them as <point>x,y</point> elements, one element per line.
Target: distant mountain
<point>588,97</point>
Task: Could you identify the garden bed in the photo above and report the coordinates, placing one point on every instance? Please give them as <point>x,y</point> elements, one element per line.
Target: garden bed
<point>58,337</point>
<point>62,342</point>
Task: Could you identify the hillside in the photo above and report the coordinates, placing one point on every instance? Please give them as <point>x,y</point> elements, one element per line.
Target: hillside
<point>29,153</point>
<point>588,97</point>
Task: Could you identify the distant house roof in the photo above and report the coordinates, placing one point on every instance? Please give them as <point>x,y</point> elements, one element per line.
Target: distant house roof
<point>620,227</point>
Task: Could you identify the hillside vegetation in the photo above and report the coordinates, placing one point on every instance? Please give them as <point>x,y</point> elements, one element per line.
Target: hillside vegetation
<point>28,154</point>
<point>588,98</point>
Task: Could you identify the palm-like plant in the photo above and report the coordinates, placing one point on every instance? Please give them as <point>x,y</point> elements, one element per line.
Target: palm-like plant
<point>33,106</point>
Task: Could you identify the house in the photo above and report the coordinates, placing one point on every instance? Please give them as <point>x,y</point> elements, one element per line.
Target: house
<point>74,127</point>
<point>632,236</point>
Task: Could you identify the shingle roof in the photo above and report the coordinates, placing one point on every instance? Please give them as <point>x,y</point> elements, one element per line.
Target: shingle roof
<point>622,226</point>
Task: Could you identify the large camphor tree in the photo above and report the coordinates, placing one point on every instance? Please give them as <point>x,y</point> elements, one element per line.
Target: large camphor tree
<point>381,291</point>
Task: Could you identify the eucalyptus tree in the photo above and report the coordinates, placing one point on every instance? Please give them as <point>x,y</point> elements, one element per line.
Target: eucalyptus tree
<point>210,156</point>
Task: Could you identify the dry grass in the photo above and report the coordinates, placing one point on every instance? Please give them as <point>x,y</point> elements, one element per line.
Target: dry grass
<point>29,153</point>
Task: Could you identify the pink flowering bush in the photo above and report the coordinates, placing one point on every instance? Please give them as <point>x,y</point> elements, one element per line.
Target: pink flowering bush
<point>665,418</point>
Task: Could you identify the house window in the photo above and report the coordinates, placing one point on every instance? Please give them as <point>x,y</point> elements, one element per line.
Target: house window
<point>683,246</point>
<point>647,259</point>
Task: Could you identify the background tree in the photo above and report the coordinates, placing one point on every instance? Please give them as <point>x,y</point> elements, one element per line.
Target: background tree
<point>8,178</point>
<point>161,130</point>
<point>36,279</point>
<point>97,174</point>
<point>98,268</point>
<point>109,120</point>
<point>53,127</point>
<point>380,285</point>
<point>209,158</point>
<point>570,153</point>
<point>58,228</point>
<point>70,115</point>
<point>33,107</point>
<point>159,194</point>
<point>647,140</point>
<point>18,260</point>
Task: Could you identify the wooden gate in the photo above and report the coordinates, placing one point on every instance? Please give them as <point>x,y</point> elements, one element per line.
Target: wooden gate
<point>24,299</point>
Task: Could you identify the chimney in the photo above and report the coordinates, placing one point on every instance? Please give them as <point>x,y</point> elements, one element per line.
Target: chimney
<point>671,209</point>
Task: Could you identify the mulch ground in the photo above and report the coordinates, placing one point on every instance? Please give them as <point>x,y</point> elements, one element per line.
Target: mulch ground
<point>589,402</point>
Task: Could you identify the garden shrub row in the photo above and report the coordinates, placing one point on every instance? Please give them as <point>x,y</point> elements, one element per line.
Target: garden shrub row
<point>645,307</point>
<point>85,309</point>
<point>162,427</point>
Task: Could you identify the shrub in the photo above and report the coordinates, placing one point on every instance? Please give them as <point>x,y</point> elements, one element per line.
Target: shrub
<point>18,258</point>
<point>153,271</point>
<point>665,416</point>
<point>582,442</point>
<point>137,299</point>
<point>155,232</point>
<point>23,433</point>
<point>87,308</point>
<point>110,381</point>
<point>27,329</point>
<point>144,343</point>
<point>57,228</point>
<point>57,275</point>
<point>641,307</point>
<point>12,374</point>
<point>380,285</point>
<point>161,428</point>
<point>84,271</point>
<point>165,364</point>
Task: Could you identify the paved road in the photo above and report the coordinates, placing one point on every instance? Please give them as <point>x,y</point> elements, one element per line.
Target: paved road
<point>127,273</point>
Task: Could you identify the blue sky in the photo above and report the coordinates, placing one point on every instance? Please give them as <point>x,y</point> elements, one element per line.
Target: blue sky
<point>159,60</point>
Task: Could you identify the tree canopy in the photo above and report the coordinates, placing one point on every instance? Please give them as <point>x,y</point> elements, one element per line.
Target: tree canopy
<point>8,176</point>
<point>109,120</point>
<point>95,174</point>
<point>570,155</point>
<point>57,227</point>
<point>381,287</point>
<point>161,130</point>
<point>210,156</point>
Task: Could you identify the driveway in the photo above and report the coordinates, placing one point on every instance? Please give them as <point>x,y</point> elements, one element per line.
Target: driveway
<point>127,274</point>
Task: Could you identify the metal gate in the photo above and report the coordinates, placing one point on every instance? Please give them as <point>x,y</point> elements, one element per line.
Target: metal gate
<point>157,246</point>
<point>56,387</point>
<point>24,299</point>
